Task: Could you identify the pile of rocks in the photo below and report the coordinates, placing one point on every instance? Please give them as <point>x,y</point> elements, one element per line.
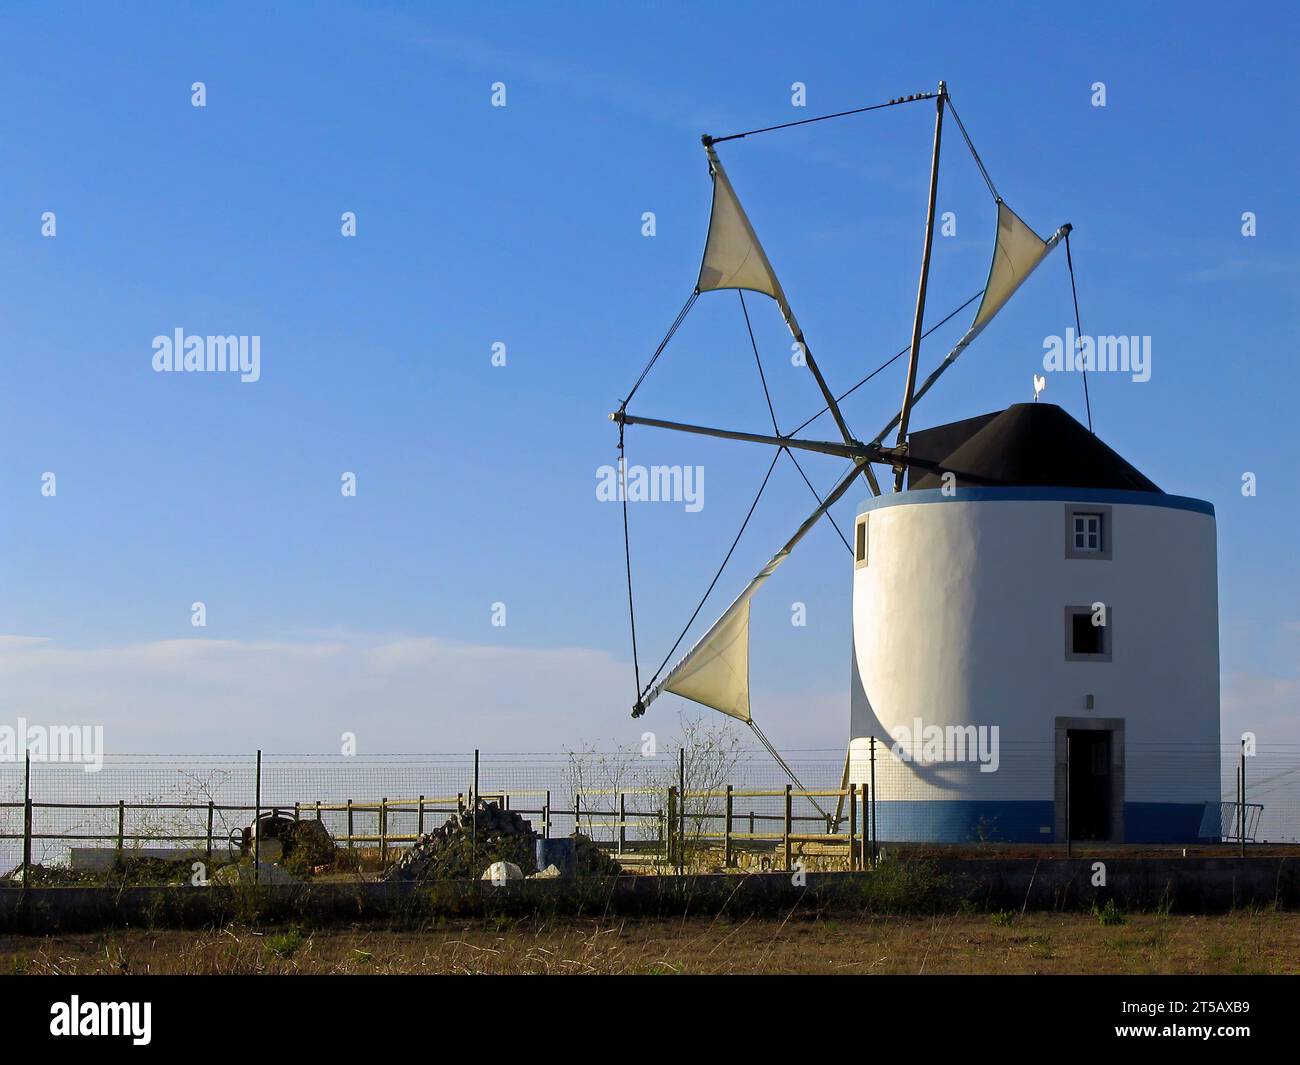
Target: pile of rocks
<point>468,843</point>
<point>489,837</point>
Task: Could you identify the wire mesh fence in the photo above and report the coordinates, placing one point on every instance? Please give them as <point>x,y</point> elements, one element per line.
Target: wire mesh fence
<point>634,803</point>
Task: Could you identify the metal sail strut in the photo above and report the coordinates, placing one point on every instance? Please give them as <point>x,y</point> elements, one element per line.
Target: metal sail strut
<point>857,451</point>
<point>980,322</point>
<point>915,352</point>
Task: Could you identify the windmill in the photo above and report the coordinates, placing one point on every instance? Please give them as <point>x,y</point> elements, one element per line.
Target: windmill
<point>715,671</point>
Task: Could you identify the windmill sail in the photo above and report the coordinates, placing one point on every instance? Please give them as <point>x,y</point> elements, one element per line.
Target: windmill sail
<point>1016,254</point>
<point>1018,250</point>
<point>734,258</point>
<point>733,255</point>
<point>715,672</point>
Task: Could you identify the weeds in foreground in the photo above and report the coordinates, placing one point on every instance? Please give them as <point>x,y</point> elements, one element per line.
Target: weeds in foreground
<point>285,944</point>
<point>1108,915</point>
<point>795,943</point>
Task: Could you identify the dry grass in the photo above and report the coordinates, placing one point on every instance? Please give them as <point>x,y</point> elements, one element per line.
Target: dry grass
<point>969,943</point>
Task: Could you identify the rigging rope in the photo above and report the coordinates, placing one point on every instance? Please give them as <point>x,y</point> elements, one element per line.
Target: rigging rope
<point>788,771</point>
<point>681,316</point>
<point>823,118</point>
<point>1078,329</point>
<point>639,707</point>
<point>730,550</point>
<point>776,429</point>
<point>816,496</point>
<point>890,361</point>
<point>758,362</point>
<point>974,154</point>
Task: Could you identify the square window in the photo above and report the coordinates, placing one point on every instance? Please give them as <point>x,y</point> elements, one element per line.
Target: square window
<point>860,543</point>
<point>1085,637</point>
<point>1087,531</point>
<point>1085,641</point>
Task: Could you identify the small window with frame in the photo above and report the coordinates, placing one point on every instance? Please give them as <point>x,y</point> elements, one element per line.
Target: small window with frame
<point>861,542</point>
<point>1088,531</point>
<point>1088,633</point>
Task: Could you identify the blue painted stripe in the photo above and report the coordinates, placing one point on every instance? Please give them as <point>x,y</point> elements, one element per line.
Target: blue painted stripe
<point>1039,494</point>
<point>1165,822</point>
<point>963,821</point>
<point>973,821</point>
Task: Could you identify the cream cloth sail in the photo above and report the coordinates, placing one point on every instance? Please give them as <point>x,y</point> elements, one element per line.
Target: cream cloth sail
<point>733,255</point>
<point>715,671</point>
<point>1018,250</point>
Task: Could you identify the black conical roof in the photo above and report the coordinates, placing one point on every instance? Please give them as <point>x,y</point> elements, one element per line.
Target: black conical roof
<point>1026,444</point>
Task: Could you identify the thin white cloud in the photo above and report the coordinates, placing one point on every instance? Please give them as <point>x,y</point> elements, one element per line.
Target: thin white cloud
<point>397,694</point>
<point>227,696</point>
<point>1268,706</point>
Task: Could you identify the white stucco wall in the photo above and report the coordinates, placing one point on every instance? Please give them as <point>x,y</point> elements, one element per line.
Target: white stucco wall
<point>959,618</point>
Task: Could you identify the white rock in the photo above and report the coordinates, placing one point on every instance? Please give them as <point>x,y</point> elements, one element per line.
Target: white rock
<point>500,872</point>
<point>549,873</point>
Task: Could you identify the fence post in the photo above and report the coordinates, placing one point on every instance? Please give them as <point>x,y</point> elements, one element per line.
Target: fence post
<point>351,844</point>
<point>546,816</point>
<point>383,830</point>
<point>874,838</point>
<point>577,817</point>
<point>297,810</point>
<point>865,853</point>
<point>121,827</point>
<point>1243,798</point>
<point>27,821</point>
<point>670,827</point>
<point>622,821</point>
<point>419,817</point>
<point>211,808</point>
<point>853,826</point>
<point>726,833</point>
<point>1236,806</point>
<point>681,809</point>
<point>473,816</point>
<point>257,817</point>
<point>789,809</point>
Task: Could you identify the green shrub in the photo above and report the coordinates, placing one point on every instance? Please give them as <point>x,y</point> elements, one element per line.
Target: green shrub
<point>1110,914</point>
<point>285,944</point>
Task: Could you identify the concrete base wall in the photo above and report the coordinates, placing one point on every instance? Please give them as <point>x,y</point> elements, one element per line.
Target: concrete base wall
<point>1185,885</point>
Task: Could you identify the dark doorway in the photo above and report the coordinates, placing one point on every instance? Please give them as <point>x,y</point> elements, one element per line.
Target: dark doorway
<point>1090,783</point>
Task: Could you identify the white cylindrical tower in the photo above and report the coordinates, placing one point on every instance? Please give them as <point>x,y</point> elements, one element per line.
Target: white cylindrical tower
<point>1028,651</point>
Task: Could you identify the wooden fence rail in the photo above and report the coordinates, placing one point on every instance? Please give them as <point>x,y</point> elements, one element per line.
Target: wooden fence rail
<point>683,822</point>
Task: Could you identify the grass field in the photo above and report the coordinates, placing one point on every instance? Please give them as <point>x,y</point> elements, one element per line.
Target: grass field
<point>1267,942</point>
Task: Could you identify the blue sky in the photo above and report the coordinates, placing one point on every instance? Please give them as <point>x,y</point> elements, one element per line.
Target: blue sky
<point>476,484</point>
